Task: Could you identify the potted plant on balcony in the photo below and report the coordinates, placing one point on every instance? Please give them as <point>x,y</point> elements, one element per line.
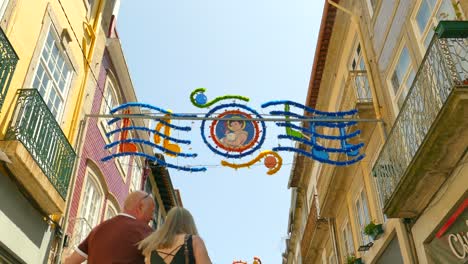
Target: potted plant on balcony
<point>351,259</point>
<point>373,230</point>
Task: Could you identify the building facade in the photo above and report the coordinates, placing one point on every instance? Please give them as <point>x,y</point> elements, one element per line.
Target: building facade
<point>406,73</point>
<point>100,187</point>
<point>40,93</point>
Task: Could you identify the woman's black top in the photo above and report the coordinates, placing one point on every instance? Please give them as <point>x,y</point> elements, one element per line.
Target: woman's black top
<point>178,253</point>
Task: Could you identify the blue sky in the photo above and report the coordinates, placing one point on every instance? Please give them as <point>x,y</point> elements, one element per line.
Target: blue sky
<point>260,49</point>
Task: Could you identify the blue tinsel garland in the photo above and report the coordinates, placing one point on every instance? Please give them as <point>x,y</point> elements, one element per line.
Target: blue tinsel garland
<point>149,143</point>
<point>309,109</point>
<point>176,140</point>
<point>312,156</point>
<point>160,162</point>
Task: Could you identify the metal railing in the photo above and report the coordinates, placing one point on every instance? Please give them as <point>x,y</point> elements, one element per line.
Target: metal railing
<point>8,61</point>
<point>34,125</point>
<point>444,66</point>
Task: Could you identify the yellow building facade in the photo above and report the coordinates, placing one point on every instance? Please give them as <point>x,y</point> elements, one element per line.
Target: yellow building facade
<point>407,75</point>
<point>49,54</point>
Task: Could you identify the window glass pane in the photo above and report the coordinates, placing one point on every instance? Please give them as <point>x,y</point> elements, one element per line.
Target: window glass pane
<point>350,238</point>
<point>365,208</point>
<point>50,69</point>
<point>403,63</point>
<point>410,79</point>
<point>428,38</point>
<point>446,11</point>
<point>423,16</point>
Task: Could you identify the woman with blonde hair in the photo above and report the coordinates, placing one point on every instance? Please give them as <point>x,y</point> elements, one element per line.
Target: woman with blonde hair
<point>175,242</point>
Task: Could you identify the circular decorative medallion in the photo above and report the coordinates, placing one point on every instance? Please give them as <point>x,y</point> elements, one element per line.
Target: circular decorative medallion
<point>233,136</point>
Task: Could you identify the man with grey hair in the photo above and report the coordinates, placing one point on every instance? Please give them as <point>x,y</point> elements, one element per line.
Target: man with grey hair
<point>114,241</point>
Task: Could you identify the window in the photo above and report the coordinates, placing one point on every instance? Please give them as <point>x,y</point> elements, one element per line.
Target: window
<point>53,74</point>
<point>332,259</point>
<point>109,101</point>
<point>358,70</point>
<point>401,79</point>
<point>111,210</point>
<point>3,6</point>
<point>136,175</point>
<point>427,16</point>
<point>90,210</point>
<point>348,244</point>
<point>363,217</point>
<point>371,5</point>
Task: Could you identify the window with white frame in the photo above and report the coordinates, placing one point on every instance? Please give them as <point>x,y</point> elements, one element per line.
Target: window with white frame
<point>111,210</point>
<point>90,210</point>
<point>358,70</point>
<point>109,101</point>
<point>3,6</point>
<point>347,235</point>
<point>427,15</point>
<point>53,74</point>
<point>137,172</point>
<point>401,79</point>
<point>363,217</point>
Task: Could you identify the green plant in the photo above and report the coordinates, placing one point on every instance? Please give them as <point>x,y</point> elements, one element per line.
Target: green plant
<point>369,228</point>
<point>373,230</point>
<point>350,259</point>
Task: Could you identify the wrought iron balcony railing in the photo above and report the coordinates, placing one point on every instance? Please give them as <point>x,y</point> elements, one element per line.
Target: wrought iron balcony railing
<point>8,61</point>
<point>36,128</point>
<point>444,67</point>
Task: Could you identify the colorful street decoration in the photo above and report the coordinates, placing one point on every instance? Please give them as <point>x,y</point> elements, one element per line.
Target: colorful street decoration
<point>234,131</point>
<point>255,261</point>
<point>199,99</point>
<point>171,149</point>
<point>309,134</point>
<point>234,137</point>
<point>272,160</point>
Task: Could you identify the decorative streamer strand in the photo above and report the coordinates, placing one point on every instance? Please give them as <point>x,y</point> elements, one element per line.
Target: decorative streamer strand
<point>316,122</point>
<point>204,104</point>
<point>149,143</point>
<point>140,128</point>
<point>152,158</point>
<point>315,134</point>
<point>309,109</point>
<point>312,156</point>
<point>349,148</point>
<point>255,160</point>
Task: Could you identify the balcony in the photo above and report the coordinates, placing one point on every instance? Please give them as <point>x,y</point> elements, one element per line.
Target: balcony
<point>315,231</point>
<point>42,158</point>
<point>8,61</point>
<point>430,134</point>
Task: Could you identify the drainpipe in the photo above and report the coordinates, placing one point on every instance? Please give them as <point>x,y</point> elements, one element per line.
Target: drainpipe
<point>407,223</point>
<point>93,32</point>
<point>375,100</point>
<point>331,224</point>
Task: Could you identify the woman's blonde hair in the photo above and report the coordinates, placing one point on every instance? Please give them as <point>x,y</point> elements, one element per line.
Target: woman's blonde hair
<point>178,221</point>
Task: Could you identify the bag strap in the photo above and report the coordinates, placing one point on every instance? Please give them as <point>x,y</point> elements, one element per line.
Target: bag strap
<point>186,250</point>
